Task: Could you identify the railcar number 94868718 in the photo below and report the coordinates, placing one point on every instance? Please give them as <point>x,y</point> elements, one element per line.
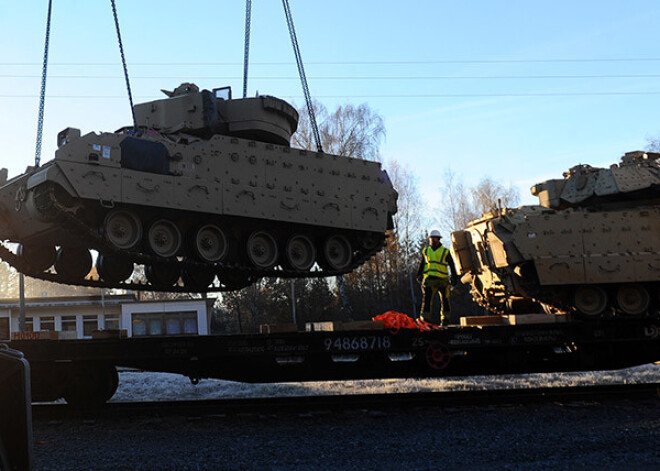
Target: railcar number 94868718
<point>357,344</point>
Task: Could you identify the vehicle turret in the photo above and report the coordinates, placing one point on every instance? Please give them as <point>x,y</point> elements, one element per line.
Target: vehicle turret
<point>206,113</point>
<point>636,177</point>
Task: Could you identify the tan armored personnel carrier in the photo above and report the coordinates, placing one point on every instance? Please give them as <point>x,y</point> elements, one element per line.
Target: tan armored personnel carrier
<point>592,246</point>
<point>206,185</point>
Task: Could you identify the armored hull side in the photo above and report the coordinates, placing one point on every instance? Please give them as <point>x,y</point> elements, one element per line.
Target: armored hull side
<point>591,247</point>
<point>196,194</point>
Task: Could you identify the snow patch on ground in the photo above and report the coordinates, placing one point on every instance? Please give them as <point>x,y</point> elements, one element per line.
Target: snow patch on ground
<point>146,386</point>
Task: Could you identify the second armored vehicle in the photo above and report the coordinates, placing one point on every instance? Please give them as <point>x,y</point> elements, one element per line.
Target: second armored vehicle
<point>592,246</point>
<point>205,185</point>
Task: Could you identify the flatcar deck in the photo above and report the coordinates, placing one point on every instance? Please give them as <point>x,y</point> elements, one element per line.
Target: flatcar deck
<point>85,369</point>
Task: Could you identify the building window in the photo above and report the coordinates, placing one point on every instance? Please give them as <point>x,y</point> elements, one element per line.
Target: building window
<point>172,326</point>
<point>169,323</point>
<point>90,323</point>
<point>29,324</point>
<point>4,328</point>
<point>156,326</point>
<point>112,322</point>
<point>189,323</point>
<point>47,323</point>
<point>69,323</point>
<point>139,326</point>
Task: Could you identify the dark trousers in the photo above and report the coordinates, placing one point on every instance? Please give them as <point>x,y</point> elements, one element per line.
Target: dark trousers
<point>430,287</point>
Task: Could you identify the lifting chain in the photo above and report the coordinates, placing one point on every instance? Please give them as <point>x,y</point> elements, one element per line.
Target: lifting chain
<point>123,61</point>
<point>42,94</point>
<point>246,52</point>
<point>301,72</point>
<point>299,63</point>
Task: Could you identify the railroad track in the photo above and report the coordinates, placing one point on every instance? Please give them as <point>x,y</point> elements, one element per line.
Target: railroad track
<point>380,402</point>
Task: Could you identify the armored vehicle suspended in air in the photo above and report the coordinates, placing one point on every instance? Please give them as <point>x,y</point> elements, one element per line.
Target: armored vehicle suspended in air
<point>204,186</point>
<point>592,246</point>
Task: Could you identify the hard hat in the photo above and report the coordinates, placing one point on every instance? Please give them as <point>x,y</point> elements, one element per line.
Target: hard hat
<point>435,233</point>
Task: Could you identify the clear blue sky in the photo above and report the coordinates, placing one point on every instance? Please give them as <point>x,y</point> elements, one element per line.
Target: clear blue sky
<point>515,90</point>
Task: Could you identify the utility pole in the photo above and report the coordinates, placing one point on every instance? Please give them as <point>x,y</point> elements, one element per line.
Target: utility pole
<point>21,302</point>
<point>293,300</point>
<point>412,293</point>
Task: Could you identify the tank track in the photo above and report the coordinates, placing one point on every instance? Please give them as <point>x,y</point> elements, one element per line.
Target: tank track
<point>549,300</point>
<point>49,203</point>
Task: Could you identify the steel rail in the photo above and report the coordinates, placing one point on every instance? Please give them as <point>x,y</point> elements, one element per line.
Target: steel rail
<point>337,403</point>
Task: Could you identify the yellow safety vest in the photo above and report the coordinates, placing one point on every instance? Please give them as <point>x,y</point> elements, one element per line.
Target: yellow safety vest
<point>436,262</point>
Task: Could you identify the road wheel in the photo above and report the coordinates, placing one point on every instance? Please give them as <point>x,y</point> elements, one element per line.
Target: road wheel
<point>210,243</point>
<point>262,250</point>
<point>235,281</point>
<point>590,300</point>
<point>73,262</point>
<point>38,257</point>
<point>162,275</point>
<point>164,238</point>
<point>197,279</point>
<point>122,228</point>
<point>633,299</point>
<point>114,268</point>
<point>370,241</point>
<point>299,253</point>
<point>337,253</point>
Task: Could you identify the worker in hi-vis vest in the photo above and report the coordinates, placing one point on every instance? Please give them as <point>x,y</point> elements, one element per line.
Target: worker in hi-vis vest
<point>436,272</point>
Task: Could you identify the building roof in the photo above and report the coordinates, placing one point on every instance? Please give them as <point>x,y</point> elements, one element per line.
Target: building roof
<point>69,301</point>
<point>109,300</point>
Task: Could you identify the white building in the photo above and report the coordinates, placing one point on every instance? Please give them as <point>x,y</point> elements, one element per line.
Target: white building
<point>77,317</point>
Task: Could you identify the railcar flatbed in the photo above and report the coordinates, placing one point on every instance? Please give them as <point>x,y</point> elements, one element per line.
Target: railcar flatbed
<point>85,371</point>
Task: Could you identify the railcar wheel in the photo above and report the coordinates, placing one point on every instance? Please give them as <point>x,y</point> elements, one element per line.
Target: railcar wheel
<point>210,243</point>
<point>164,238</point>
<point>299,253</point>
<point>262,250</point>
<point>122,228</point>
<point>337,253</point>
<point>438,356</point>
<point>590,300</point>
<point>113,268</point>
<point>162,275</point>
<point>38,257</point>
<point>197,279</point>
<point>73,262</point>
<point>91,385</point>
<point>633,299</point>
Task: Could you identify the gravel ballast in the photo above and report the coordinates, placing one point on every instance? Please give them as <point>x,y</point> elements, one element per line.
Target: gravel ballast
<point>610,435</point>
<point>614,434</point>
